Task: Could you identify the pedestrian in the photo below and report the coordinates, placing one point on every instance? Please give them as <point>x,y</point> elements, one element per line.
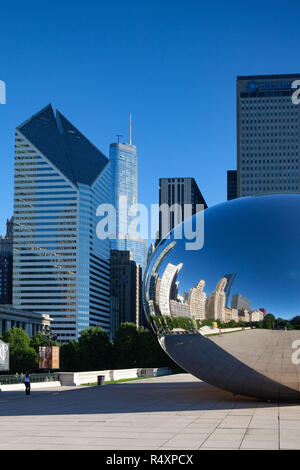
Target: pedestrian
<point>27,383</point>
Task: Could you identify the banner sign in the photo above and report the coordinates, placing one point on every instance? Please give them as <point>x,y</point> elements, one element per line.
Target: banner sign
<point>49,357</point>
<point>4,356</point>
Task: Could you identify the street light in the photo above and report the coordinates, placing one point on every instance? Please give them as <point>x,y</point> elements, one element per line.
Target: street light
<point>49,334</point>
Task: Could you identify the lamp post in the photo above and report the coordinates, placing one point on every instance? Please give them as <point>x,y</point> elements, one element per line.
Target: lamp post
<point>49,334</point>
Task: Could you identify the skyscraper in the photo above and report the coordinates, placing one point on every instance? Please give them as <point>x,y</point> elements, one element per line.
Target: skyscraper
<point>60,266</point>
<point>268,138</point>
<point>168,287</point>
<point>230,280</point>
<point>6,259</point>
<point>197,301</point>
<point>123,159</point>
<point>179,191</point>
<point>231,184</point>
<point>215,303</point>
<point>179,309</point>
<point>240,302</point>
<point>126,285</point>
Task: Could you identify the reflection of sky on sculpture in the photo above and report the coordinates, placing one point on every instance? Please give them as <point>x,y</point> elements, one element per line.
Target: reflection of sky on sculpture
<point>258,238</point>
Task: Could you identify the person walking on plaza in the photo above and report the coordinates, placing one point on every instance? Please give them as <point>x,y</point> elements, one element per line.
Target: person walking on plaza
<point>27,383</point>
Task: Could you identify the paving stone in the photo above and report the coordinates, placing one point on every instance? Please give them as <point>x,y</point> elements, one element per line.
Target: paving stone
<point>166,413</point>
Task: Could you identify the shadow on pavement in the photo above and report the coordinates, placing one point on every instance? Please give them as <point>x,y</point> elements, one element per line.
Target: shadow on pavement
<point>158,395</point>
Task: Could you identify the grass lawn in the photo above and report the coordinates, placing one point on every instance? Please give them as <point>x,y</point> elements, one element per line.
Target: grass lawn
<point>110,382</point>
<point>223,333</point>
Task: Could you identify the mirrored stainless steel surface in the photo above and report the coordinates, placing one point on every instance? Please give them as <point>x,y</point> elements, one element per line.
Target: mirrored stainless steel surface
<point>248,266</point>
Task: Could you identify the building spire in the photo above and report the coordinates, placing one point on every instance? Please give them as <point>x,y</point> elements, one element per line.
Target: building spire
<point>130,130</point>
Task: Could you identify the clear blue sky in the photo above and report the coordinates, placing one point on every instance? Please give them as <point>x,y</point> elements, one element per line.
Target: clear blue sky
<point>171,63</point>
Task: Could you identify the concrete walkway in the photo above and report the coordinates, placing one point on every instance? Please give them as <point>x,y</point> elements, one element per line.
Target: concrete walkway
<point>172,412</point>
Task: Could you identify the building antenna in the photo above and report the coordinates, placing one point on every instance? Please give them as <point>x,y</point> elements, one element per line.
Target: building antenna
<point>130,130</point>
<point>119,135</point>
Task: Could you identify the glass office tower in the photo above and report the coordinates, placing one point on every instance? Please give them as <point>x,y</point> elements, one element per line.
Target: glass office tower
<point>123,160</point>
<point>60,267</point>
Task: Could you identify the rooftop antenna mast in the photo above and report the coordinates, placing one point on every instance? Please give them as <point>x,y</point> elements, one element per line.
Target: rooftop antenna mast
<point>130,131</point>
<point>119,135</point>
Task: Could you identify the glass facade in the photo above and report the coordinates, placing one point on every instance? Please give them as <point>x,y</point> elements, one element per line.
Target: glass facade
<point>55,245</point>
<point>123,158</point>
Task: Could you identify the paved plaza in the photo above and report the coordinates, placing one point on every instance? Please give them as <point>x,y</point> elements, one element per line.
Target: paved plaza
<point>171,412</point>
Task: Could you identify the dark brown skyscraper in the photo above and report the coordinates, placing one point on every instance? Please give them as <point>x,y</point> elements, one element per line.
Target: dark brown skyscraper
<point>179,191</point>
<point>6,257</point>
<point>231,184</point>
<point>126,280</point>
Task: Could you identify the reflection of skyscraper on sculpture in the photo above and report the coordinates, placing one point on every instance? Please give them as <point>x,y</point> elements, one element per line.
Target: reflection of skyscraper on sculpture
<point>231,314</point>
<point>230,280</point>
<point>153,281</point>
<point>256,315</point>
<point>167,285</point>
<point>240,302</point>
<point>215,303</point>
<point>197,301</point>
<point>174,294</point>
<point>179,309</point>
<point>154,278</point>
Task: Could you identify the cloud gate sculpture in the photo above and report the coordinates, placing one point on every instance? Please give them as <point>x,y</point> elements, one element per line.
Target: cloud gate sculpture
<point>248,266</point>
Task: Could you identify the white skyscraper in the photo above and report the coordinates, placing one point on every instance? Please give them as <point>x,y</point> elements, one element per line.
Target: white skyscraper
<point>215,303</point>
<point>166,284</point>
<point>60,267</point>
<point>197,300</point>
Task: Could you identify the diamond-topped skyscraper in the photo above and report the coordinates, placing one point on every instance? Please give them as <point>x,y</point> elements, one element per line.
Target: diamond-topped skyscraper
<point>123,158</point>
<point>60,266</point>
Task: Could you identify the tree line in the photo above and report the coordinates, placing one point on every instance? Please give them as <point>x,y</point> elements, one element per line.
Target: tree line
<point>186,323</point>
<point>132,348</point>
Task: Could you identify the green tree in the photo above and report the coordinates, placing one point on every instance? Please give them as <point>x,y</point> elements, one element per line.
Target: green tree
<point>69,357</point>
<point>207,322</point>
<point>149,352</point>
<point>22,360</point>
<point>17,338</point>
<point>95,349</point>
<point>126,346</point>
<point>22,357</point>
<point>295,322</point>
<point>269,321</point>
<point>41,340</point>
<point>145,348</point>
